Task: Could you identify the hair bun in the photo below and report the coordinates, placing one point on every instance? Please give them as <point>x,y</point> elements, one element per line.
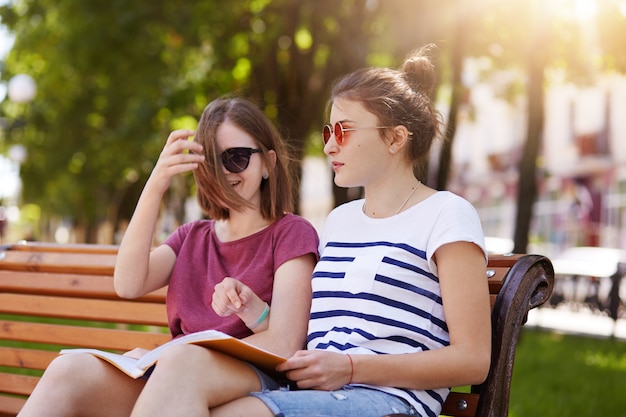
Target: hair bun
<point>419,70</point>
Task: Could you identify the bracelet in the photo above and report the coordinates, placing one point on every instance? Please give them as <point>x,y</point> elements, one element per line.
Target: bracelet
<point>261,318</point>
<point>351,368</point>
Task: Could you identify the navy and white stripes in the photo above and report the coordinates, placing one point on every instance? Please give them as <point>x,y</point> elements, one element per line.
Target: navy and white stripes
<point>376,290</point>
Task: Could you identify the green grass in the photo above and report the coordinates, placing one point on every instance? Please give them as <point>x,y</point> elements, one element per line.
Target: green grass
<point>559,375</point>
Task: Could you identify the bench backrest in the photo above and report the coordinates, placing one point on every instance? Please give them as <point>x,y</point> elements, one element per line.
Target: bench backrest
<point>73,284</point>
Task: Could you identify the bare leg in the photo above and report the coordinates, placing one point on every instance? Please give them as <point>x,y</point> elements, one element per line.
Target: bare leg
<point>243,407</point>
<point>78,385</point>
<point>189,380</point>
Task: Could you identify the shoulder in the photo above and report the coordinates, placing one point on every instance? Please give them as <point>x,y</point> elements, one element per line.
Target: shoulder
<point>449,202</point>
<point>289,221</point>
<point>197,226</point>
<point>291,224</point>
<point>195,231</point>
<point>293,236</point>
<point>456,220</point>
<point>347,210</point>
<point>192,228</point>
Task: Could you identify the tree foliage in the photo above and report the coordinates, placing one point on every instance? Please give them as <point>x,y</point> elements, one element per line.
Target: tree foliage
<point>115,77</point>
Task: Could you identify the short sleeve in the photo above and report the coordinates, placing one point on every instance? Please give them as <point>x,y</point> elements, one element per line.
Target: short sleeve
<point>457,221</point>
<point>176,239</point>
<point>294,237</point>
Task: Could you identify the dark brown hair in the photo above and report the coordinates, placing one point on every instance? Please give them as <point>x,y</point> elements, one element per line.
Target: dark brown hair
<point>215,195</point>
<point>398,97</point>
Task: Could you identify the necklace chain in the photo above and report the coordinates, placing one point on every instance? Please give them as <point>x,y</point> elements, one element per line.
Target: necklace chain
<point>406,200</point>
<point>408,196</point>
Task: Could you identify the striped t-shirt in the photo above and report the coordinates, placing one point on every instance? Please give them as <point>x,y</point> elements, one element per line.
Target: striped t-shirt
<point>375,288</point>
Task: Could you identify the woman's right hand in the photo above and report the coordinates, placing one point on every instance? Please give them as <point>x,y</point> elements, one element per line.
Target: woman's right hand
<point>178,155</point>
<point>231,296</point>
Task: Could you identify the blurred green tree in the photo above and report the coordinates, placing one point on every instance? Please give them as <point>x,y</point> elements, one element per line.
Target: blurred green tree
<point>115,77</point>
<point>112,79</point>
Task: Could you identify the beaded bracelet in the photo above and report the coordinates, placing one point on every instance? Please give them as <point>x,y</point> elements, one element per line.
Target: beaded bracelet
<point>261,318</point>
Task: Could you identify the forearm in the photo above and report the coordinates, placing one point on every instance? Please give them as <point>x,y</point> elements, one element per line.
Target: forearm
<point>137,271</point>
<point>288,318</point>
<point>272,332</point>
<point>284,342</point>
<point>438,368</point>
<point>132,262</point>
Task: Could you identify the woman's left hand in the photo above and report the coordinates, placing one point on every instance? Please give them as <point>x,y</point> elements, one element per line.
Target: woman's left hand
<point>317,369</point>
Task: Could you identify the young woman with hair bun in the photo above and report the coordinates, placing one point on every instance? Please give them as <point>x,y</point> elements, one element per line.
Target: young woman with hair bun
<point>400,308</point>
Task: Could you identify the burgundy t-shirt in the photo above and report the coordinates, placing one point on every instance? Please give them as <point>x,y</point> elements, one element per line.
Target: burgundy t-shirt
<point>203,261</point>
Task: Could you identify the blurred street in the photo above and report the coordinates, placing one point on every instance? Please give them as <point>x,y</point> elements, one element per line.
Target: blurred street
<point>582,322</point>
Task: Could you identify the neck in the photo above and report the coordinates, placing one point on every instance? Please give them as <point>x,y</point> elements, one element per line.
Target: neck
<point>390,201</point>
<point>240,225</point>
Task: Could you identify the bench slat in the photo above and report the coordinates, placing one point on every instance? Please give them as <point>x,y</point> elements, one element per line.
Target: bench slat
<point>495,282</point>
<point>98,338</point>
<point>115,311</point>
<point>10,406</point>
<point>17,384</point>
<point>65,247</point>
<point>26,358</point>
<point>79,263</point>
<point>72,285</point>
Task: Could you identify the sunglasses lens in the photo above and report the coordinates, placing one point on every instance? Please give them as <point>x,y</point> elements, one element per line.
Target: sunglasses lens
<point>339,133</point>
<point>236,160</point>
<point>326,134</point>
<point>327,131</point>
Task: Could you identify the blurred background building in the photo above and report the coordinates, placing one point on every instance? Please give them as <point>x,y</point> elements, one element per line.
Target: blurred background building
<point>582,175</point>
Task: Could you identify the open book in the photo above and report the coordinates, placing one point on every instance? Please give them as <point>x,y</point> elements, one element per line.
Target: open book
<point>211,339</point>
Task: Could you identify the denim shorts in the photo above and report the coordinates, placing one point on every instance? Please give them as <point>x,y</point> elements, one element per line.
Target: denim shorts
<point>350,401</point>
<point>267,382</point>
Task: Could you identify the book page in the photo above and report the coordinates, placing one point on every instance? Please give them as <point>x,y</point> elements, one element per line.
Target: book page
<point>211,339</point>
<point>220,342</point>
<point>126,364</point>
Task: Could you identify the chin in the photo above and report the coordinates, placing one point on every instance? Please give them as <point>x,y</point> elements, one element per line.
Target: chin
<point>345,184</point>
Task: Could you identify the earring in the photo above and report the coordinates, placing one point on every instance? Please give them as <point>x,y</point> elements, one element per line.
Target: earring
<point>392,150</point>
<point>266,175</point>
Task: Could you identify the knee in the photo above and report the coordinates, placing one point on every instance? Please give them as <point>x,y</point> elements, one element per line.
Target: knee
<point>185,358</point>
<point>68,364</point>
<point>71,369</point>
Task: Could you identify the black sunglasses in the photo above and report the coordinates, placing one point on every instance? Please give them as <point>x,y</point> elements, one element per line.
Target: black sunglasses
<point>339,131</point>
<point>236,160</point>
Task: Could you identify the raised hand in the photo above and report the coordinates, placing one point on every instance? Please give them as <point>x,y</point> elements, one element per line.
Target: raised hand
<point>178,155</point>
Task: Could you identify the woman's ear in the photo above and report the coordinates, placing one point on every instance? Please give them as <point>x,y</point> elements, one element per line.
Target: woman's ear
<point>271,158</point>
<point>400,136</point>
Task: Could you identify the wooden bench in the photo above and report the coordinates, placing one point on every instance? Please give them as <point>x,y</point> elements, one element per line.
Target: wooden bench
<point>73,284</point>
